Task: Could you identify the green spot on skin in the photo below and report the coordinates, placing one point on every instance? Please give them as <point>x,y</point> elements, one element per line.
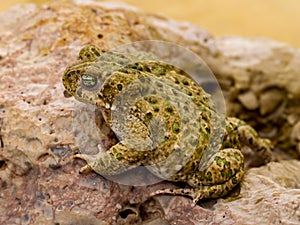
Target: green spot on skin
<point>234,181</point>
<point>205,136</point>
<point>176,127</point>
<point>226,163</point>
<point>148,116</point>
<point>119,156</point>
<point>119,86</point>
<point>152,100</point>
<point>209,176</point>
<point>198,150</point>
<point>223,173</point>
<point>229,174</point>
<point>219,160</point>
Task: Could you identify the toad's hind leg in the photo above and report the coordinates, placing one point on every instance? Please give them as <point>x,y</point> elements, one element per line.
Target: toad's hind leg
<point>262,147</point>
<point>221,176</point>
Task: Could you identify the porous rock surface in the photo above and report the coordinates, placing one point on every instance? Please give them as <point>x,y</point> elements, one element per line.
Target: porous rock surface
<point>39,181</point>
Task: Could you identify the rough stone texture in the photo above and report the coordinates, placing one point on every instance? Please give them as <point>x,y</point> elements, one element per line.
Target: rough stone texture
<point>261,82</point>
<point>40,183</point>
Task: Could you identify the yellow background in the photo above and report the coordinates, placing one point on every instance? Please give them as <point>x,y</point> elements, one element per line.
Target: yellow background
<point>277,19</point>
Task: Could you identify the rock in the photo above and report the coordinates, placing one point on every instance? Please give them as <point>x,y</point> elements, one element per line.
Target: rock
<point>269,70</point>
<point>248,100</point>
<point>295,135</point>
<point>270,101</point>
<point>39,180</point>
<point>69,218</point>
<point>269,195</point>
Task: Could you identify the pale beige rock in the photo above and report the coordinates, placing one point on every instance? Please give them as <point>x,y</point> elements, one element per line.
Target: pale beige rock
<point>295,135</point>
<point>270,101</point>
<point>248,100</point>
<point>40,183</point>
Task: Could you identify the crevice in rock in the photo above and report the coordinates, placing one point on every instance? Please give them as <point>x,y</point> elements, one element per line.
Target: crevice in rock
<point>1,142</point>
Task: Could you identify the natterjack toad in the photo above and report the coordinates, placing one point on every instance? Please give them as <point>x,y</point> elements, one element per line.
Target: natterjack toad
<point>163,121</point>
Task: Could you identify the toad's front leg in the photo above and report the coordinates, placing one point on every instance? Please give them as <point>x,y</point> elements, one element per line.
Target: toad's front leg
<point>107,163</point>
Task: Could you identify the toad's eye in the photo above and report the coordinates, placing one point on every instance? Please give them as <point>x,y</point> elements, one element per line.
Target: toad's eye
<point>88,81</point>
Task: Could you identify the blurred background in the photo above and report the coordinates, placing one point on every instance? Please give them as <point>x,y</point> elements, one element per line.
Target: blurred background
<point>276,19</point>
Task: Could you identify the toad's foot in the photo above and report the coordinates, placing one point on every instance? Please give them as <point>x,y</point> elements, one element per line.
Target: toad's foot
<point>199,193</point>
<point>262,147</point>
<point>88,158</point>
<point>249,137</point>
<point>85,168</point>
